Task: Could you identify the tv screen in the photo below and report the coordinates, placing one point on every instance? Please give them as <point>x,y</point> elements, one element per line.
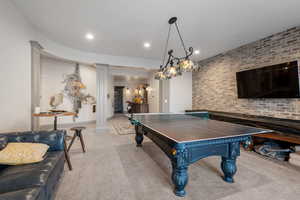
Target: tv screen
<point>276,81</point>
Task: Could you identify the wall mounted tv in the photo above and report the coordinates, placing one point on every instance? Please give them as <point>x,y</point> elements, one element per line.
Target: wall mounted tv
<point>276,81</point>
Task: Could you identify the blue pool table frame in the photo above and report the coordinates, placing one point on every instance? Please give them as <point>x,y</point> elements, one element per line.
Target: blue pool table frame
<point>182,154</point>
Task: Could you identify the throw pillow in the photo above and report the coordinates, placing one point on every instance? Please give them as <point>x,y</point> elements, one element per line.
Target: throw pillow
<point>23,153</point>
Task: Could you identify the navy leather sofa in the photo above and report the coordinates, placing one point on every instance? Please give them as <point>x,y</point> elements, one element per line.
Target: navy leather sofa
<point>34,181</point>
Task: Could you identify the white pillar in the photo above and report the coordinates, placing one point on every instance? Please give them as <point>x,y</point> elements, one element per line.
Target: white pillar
<point>102,97</point>
<point>164,96</point>
<point>36,50</point>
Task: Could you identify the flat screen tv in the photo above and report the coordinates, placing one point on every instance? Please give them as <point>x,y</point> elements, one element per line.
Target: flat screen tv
<point>276,81</point>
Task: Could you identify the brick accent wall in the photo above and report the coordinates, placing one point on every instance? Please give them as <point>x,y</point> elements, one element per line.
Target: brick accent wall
<point>214,85</point>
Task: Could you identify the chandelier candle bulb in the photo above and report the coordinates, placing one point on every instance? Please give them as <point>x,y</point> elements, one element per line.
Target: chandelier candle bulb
<point>89,36</point>
<point>127,91</point>
<point>160,75</point>
<point>147,45</point>
<point>197,52</point>
<point>186,65</point>
<point>172,71</point>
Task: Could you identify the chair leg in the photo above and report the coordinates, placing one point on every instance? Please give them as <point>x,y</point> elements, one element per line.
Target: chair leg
<point>72,141</point>
<point>82,141</point>
<point>67,157</point>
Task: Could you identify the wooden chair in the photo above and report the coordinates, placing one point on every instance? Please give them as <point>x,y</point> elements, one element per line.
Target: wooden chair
<point>77,133</point>
<point>67,157</point>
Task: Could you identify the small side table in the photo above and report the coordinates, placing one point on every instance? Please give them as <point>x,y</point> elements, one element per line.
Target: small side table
<point>55,115</point>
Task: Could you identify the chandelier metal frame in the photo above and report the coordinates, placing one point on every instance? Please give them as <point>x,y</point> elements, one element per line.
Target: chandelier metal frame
<point>175,65</point>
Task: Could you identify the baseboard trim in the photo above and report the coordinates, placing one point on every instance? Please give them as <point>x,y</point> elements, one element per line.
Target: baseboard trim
<point>110,117</point>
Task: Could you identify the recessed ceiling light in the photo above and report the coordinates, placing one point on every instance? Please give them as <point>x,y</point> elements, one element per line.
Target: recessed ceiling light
<point>89,36</point>
<point>197,52</point>
<point>147,45</point>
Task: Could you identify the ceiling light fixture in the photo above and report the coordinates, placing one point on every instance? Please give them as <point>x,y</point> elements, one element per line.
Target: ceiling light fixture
<point>197,52</point>
<point>89,36</point>
<point>174,66</point>
<point>147,45</point>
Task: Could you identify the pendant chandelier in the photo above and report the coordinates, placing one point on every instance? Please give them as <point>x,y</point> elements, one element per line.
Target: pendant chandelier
<point>175,66</point>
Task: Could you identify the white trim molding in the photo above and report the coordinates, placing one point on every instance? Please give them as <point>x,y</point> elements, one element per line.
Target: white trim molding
<point>102,97</point>
<point>36,50</point>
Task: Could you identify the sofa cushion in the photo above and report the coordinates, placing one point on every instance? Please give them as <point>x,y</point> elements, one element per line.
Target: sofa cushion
<point>48,164</point>
<point>3,142</point>
<point>19,153</point>
<point>26,194</point>
<point>54,139</point>
<point>26,176</point>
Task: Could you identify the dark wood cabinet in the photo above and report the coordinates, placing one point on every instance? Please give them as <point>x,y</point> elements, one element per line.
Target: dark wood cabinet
<point>140,108</point>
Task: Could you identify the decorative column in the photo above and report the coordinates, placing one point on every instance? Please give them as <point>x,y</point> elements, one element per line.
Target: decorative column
<point>164,96</point>
<point>36,50</point>
<point>102,97</point>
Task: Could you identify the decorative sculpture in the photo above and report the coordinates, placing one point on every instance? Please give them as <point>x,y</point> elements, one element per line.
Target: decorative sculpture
<point>56,100</point>
<point>74,90</point>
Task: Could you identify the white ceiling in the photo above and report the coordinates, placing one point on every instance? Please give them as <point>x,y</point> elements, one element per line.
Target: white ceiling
<point>121,27</point>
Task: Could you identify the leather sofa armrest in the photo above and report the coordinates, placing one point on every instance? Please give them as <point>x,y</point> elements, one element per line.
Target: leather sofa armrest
<point>55,139</point>
<point>3,142</point>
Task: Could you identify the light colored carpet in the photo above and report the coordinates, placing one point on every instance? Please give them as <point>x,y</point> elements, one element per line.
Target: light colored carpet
<point>122,125</point>
<point>115,169</point>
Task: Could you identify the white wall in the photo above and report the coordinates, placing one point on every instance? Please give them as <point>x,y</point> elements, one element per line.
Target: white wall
<point>153,95</point>
<point>164,96</point>
<point>52,72</point>
<point>180,98</point>
<point>110,106</point>
<point>15,69</point>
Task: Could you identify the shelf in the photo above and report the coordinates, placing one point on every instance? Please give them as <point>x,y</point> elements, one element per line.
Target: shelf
<point>295,139</point>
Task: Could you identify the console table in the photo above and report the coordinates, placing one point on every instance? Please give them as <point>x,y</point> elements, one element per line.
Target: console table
<point>140,108</point>
<point>55,115</point>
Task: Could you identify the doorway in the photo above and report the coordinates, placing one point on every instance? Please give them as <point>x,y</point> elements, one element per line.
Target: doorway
<point>118,99</point>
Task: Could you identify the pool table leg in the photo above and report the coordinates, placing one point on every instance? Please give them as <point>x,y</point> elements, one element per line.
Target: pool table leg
<point>180,179</point>
<point>180,171</point>
<point>228,163</point>
<point>139,137</point>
